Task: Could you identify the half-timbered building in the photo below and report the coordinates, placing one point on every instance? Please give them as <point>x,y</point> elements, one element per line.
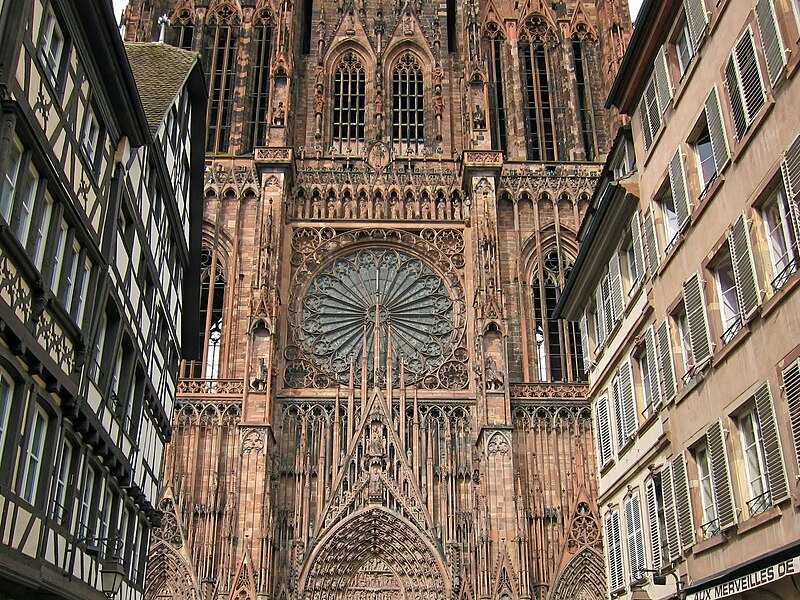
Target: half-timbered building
<point>100,188</point>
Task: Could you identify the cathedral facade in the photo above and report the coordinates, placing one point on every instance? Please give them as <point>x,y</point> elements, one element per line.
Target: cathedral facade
<point>384,407</point>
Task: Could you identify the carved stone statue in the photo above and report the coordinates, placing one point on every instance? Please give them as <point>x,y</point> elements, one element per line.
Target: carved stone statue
<point>479,117</point>
<point>438,105</point>
<point>279,115</point>
<point>495,378</point>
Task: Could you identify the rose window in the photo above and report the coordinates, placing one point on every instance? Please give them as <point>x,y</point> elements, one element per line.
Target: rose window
<point>381,293</point>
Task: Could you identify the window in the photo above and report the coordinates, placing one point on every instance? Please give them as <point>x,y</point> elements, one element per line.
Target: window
<point>585,116</point>
<point>669,218</point>
<point>62,483</point>
<point>781,236</point>
<point>220,59</point>
<point>494,42</point>
<point>648,373</point>
<point>710,522</point>
<point>651,243</point>
<point>6,399</point>
<point>349,105</point>
<point>183,26</point>
<point>745,87</point>
<point>684,48</point>
<point>59,247</point>
<point>90,136</point>
<point>105,516</point>
<point>537,105</point>
<point>682,327</point>
<point>753,451</point>
<point>730,313</point>
<point>697,18</point>
<point>116,373</point>
<point>87,498</point>
<point>10,180</point>
<point>635,536</point>
<point>666,365</point>
<point>51,45</point>
<point>656,522</point>
<point>40,228</point>
<point>559,354</point>
<point>634,254</point>
<point>78,304</point>
<point>703,153</point>
<point>259,123</point>
<point>614,552</point>
<point>649,113</point>
<point>408,106</point>
<point>212,296</point>
<point>26,200</point>
<point>34,454</point>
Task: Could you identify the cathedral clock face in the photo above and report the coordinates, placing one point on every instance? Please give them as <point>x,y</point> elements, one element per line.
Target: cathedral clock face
<point>383,293</point>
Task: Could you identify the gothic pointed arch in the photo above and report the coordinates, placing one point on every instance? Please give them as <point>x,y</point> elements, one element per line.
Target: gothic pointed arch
<point>243,587</point>
<point>537,35</point>
<point>580,25</point>
<point>378,549</point>
<point>582,579</point>
<point>170,575</point>
<point>221,37</point>
<point>182,24</point>
<point>261,57</point>
<point>408,104</point>
<point>349,100</point>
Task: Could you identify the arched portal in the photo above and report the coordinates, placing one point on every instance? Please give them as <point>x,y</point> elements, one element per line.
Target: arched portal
<point>375,553</point>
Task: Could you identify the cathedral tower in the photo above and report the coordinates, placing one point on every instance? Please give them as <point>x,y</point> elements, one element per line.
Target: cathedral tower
<point>383,407</point>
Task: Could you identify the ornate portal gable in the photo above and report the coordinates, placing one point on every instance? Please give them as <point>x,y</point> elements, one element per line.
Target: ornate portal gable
<point>375,470</point>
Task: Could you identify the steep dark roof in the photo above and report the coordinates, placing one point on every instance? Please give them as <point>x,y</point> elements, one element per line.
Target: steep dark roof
<point>160,71</point>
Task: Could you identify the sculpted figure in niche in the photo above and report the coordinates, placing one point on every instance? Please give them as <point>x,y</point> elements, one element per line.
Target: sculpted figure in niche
<point>411,211</point>
<point>362,208</point>
<point>331,208</point>
<point>338,205</point>
<point>316,207</point>
<point>456,208</point>
<point>495,378</point>
<point>440,209</point>
<point>395,207</point>
<point>279,115</point>
<point>426,208</point>
<point>438,105</point>
<point>379,213</point>
<point>350,208</point>
<point>479,117</point>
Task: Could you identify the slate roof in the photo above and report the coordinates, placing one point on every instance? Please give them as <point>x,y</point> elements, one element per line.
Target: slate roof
<point>160,71</point>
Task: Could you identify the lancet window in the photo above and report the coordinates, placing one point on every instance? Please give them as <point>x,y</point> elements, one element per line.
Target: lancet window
<point>536,94</point>
<point>212,298</point>
<point>259,100</point>
<point>183,30</point>
<point>408,117</point>
<point>349,104</point>
<point>220,58</point>
<point>584,91</point>
<point>493,42</point>
<point>558,356</point>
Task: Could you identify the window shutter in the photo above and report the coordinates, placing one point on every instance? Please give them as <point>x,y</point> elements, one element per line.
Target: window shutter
<point>604,441</point>
<point>791,387</point>
<point>585,342</point>
<point>663,84</point>
<point>699,336</point>
<point>670,516</point>
<point>635,536</point>
<point>697,18</point>
<point>653,525</point>
<point>648,137</point>
<point>651,243</point>
<point>716,130</point>
<point>720,475</point>
<point>628,400</point>
<point>653,110</point>
<point>667,366</point>
<point>652,367</point>
<point>677,182</point>
<point>744,269</point>
<point>608,304</point>
<point>735,97</point>
<point>600,333</point>
<point>790,169</point>
<point>749,75</point>
<point>619,412</point>
<point>683,506</point>
<point>638,250</point>
<point>614,552</point>
<point>771,41</point>
<point>776,473</point>
<point>615,284</point>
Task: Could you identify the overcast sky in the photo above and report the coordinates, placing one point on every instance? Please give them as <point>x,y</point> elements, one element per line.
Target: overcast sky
<point>119,6</point>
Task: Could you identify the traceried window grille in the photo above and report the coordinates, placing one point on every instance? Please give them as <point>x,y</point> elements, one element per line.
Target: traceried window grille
<point>408,104</point>
<point>559,353</point>
<point>585,116</point>
<point>537,102</point>
<point>349,104</point>
<point>221,36</point>
<point>259,100</point>
<point>212,297</point>
<point>183,28</point>
<point>494,41</point>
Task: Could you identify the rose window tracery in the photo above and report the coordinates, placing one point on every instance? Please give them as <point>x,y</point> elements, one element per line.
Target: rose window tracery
<point>378,293</point>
